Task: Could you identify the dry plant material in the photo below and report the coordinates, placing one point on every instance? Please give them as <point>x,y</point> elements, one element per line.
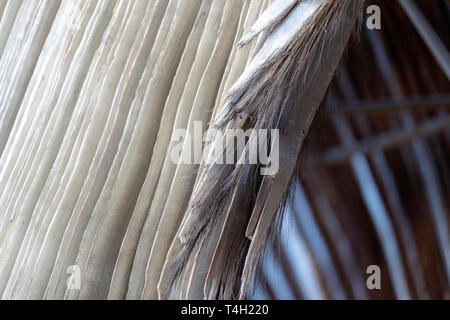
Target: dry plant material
<point>90,94</point>
<point>280,89</point>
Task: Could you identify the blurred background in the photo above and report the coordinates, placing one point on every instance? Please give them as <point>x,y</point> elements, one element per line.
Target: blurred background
<point>374,186</point>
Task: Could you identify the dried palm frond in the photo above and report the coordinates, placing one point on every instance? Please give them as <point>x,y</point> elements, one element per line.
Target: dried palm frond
<point>94,93</point>
<point>281,88</point>
<point>90,94</point>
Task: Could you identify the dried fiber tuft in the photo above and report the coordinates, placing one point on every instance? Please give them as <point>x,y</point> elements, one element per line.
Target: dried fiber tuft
<point>232,207</point>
